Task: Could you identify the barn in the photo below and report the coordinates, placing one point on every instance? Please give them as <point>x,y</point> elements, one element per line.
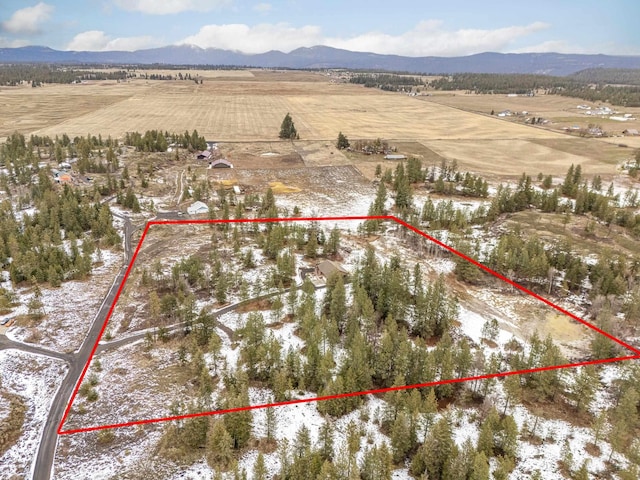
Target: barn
<point>222,163</point>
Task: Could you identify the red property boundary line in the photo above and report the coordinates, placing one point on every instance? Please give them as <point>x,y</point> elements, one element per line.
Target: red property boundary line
<point>636,352</point>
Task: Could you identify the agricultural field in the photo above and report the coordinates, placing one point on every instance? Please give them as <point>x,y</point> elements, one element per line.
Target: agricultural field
<point>178,340</point>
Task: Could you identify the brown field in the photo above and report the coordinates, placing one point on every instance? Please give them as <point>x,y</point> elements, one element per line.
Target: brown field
<point>561,111</point>
<point>514,157</point>
<point>248,106</point>
<point>252,110</point>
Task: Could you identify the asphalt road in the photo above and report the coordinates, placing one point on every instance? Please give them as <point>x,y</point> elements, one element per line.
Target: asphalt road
<point>6,344</point>
<point>43,465</point>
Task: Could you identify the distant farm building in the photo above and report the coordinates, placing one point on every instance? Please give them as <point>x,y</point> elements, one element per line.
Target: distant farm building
<point>198,208</point>
<point>222,163</point>
<point>204,155</point>
<point>632,132</point>
<point>395,157</point>
<point>64,178</point>
<point>328,268</point>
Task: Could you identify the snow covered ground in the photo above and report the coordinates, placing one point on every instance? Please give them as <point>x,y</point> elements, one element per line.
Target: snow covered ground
<point>69,309</point>
<point>35,379</point>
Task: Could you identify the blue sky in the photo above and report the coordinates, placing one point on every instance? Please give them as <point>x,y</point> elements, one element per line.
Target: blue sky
<point>408,27</point>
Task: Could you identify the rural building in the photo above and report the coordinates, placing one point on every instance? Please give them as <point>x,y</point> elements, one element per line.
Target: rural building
<point>204,155</point>
<point>222,163</point>
<point>64,178</point>
<point>632,132</point>
<point>237,190</point>
<point>197,208</point>
<point>395,157</point>
<point>328,268</point>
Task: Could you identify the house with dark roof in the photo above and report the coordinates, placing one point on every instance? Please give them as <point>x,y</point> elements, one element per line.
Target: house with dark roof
<point>327,268</point>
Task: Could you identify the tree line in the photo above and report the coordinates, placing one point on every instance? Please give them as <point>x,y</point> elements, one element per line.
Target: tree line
<point>522,84</point>
<point>13,75</point>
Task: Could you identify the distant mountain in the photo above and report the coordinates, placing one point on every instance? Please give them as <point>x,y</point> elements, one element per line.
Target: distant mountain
<point>327,57</point>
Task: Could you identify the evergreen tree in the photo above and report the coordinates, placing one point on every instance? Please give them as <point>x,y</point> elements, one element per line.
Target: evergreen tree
<point>288,129</point>
<point>342,142</point>
<point>480,469</point>
<point>219,446</point>
<point>259,468</point>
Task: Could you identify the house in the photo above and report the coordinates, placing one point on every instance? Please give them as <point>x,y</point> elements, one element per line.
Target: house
<point>328,268</point>
<point>198,208</point>
<point>222,163</point>
<point>395,157</point>
<point>64,178</point>
<point>204,155</point>
<point>631,132</point>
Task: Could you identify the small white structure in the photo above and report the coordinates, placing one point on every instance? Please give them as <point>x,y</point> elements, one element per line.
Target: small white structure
<point>198,208</point>
<point>395,157</point>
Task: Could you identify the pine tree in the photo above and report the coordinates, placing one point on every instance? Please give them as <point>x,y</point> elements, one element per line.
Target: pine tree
<point>480,469</point>
<point>342,142</point>
<point>259,468</point>
<point>270,423</point>
<point>219,446</point>
<point>287,129</point>
<point>325,440</point>
<point>377,464</point>
<point>583,389</point>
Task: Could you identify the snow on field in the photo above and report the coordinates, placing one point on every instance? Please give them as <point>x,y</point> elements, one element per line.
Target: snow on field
<point>471,324</point>
<point>314,204</point>
<point>35,379</point>
<point>287,338</point>
<point>553,433</point>
<point>69,309</point>
<point>290,418</point>
<point>82,456</point>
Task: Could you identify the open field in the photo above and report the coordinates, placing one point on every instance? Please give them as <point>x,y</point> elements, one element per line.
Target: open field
<point>561,111</point>
<point>242,107</point>
<point>515,156</point>
<point>253,110</point>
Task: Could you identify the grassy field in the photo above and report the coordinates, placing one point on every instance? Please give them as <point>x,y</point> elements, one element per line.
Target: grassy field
<point>253,110</point>
<point>248,106</point>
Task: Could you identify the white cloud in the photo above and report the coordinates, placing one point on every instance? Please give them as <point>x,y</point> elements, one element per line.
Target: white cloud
<point>7,43</point>
<point>29,19</point>
<point>263,7</point>
<point>167,7</point>
<point>98,41</point>
<point>427,38</point>
<point>256,39</point>
<point>560,46</point>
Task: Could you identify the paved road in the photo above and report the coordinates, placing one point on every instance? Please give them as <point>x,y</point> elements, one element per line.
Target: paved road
<point>43,464</point>
<point>7,344</point>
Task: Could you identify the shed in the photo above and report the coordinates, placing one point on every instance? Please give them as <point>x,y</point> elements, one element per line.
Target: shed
<point>204,155</point>
<point>631,131</point>
<point>395,157</point>
<point>222,163</point>
<point>198,208</point>
<point>328,268</point>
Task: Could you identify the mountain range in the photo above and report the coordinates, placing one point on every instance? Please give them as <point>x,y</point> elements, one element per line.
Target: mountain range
<point>328,57</point>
